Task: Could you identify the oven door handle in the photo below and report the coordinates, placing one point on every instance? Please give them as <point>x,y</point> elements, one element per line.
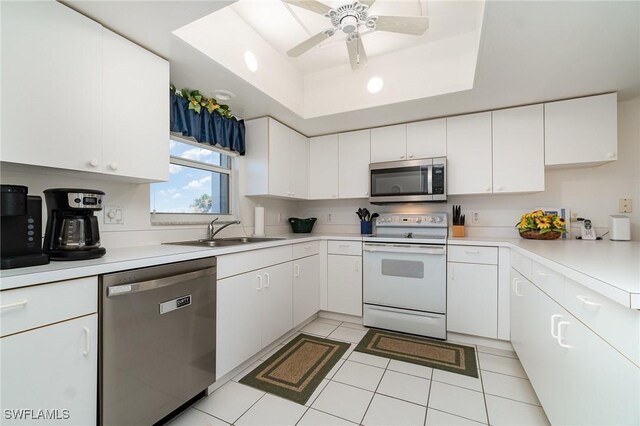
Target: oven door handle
<point>405,248</point>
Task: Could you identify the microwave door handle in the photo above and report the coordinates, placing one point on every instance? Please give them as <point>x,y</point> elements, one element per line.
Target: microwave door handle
<point>430,180</point>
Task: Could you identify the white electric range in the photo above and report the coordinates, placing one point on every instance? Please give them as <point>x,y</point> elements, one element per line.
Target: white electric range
<point>405,274</point>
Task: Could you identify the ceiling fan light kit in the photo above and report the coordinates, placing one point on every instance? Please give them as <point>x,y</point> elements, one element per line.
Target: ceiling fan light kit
<point>348,18</point>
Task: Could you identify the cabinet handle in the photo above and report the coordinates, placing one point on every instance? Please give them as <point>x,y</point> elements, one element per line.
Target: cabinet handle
<point>307,247</point>
<point>343,245</point>
<point>259,283</point>
<point>587,302</point>
<point>611,154</point>
<point>542,274</point>
<point>515,287</point>
<point>334,195</point>
<point>560,343</point>
<point>267,281</point>
<point>499,188</point>
<point>453,273</point>
<point>488,189</point>
<point>296,270</point>
<point>410,155</point>
<point>94,162</point>
<point>472,251</point>
<point>366,193</point>
<point>113,166</point>
<point>357,266</point>
<point>87,341</point>
<point>14,304</point>
<point>553,325</point>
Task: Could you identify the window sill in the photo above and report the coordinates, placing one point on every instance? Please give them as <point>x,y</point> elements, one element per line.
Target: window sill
<point>177,219</point>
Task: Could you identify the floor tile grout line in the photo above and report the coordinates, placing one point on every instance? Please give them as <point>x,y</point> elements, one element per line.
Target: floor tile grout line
<point>505,374</point>
<point>252,405</point>
<point>204,412</point>
<point>484,394</point>
<point>374,395</point>
<point>515,357</point>
<point>457,415</point>
<point>514,400</point>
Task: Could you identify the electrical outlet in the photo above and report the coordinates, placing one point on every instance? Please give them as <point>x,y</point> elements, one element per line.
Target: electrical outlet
<point>625,205</point>
<point>574,217</point>
<point>475,217</point>
<point>328,217</point>
<point>113,215</point>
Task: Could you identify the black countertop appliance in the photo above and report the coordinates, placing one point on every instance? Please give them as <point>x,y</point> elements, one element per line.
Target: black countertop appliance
<point>72,230</point>
<point>20,228</point>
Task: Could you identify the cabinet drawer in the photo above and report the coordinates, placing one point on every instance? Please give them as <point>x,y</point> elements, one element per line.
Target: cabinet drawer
<point>473,254</point>
<point>548,281</point>
<point>31,307</point>
<point>239,263</point>
<point>618,325</point>
<point>306,249</point>
<point>353,248</point>
<point>521,264</point>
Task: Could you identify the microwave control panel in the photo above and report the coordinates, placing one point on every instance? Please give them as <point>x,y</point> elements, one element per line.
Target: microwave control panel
<point>438,179</point>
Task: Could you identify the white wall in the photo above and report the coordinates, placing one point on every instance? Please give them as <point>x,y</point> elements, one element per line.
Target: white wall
<point>591,192</point>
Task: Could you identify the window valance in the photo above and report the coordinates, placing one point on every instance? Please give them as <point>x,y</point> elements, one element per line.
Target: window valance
<point>204,126</point>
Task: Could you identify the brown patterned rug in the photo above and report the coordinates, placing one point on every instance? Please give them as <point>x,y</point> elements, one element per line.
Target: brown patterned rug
<point>420,350</point>
<point>296,370</point>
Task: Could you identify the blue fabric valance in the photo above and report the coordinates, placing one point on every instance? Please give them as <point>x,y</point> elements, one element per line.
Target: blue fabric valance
<point>206,127</point>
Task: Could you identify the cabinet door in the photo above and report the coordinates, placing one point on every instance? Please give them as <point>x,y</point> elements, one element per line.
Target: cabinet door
<point>389,143</point>
<point>51,86</point>
<point>52,367</point>
<point>279,159</point>
<point>238,320</point>
<point>299,146</point>
<point>518,149</point>
<point>469,154</point>
<point>427,139</point>
<point>306,288</point>
<point>344,284</point>
<point>135,131</point>
<point>277,302</point>
<point>472,299</point>
<point>323,167</point>
<point>353,160</point>
<point>581,131</point>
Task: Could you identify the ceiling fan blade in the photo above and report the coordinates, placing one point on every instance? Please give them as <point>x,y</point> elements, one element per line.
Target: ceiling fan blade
<point>312,5</point>
<point>368,2</point>
<point>357,54</point>
<point>415,25</point>
<point>309,43</point>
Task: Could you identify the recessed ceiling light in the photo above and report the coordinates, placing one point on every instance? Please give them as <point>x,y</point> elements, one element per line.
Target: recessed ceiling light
<point>375,85</point>
<point>223,95</point>
<point>251,61</point>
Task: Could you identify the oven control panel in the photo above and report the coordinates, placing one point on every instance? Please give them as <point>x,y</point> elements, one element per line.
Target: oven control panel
<point>413,220</point>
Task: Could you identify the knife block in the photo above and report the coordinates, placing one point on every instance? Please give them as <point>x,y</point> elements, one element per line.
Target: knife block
<point>457,230</point>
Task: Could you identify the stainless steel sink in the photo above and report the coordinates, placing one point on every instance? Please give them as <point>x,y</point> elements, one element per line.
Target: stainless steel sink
<point>224,242</point>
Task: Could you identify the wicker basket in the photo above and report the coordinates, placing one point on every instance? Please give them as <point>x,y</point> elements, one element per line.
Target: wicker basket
<point>536,235</point>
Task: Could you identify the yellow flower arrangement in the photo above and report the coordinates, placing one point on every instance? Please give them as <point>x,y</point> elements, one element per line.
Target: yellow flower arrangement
<point>197,101</point>
<point>541,222</point>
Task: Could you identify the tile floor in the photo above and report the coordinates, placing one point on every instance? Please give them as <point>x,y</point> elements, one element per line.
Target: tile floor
<point>370,390</point>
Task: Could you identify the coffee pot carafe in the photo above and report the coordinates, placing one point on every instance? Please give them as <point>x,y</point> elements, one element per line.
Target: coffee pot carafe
<point>72,229</point>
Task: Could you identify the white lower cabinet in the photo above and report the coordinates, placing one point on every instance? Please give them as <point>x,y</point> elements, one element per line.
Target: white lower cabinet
<point>52,368</point>
<point>253,309</point>
<point>306,288</point>
<point>472,299</point>
<point>344,284</point>
<point>579,378</point>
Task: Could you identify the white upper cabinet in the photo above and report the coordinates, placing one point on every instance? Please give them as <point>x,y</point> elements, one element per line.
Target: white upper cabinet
<point>277,160</point>
<point>71,93</point>
<point>581,131</point>
<point>427,139</point>
<point>518,149</point>
<point>469,154</point>
<point>51,86</point>
<point>389,143</point>
<point>353,155</point>
<point>135,135</point>
<point>299,163</point>
<point>323,167</point>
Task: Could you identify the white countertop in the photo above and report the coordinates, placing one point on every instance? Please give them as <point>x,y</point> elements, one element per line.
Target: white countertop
<point>611,268</point>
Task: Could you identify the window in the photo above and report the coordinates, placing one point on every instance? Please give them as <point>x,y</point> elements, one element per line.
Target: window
<point>198,181</point>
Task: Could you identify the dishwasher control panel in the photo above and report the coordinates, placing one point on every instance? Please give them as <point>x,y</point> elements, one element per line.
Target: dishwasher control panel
<point>172,305</point>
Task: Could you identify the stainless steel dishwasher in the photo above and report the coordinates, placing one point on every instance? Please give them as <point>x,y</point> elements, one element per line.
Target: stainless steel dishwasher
<point>157,340</point>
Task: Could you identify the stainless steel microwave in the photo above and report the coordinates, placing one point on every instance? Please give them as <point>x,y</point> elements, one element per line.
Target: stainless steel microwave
<point>411,181</point>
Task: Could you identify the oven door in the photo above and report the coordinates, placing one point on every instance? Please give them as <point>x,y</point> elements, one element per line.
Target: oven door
<point>401,181</point>
<point>408,276</point>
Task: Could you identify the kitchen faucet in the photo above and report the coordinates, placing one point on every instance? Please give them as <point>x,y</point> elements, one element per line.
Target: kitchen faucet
<point>213,233</point>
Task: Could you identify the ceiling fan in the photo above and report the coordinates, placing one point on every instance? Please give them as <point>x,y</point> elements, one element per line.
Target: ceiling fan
<point>348,18</point>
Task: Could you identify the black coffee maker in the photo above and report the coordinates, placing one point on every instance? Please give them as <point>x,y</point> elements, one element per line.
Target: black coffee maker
<point>20,228</point>
<point>72,229</point>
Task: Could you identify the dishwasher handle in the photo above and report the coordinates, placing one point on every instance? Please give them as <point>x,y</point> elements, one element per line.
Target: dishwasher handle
<point>124,289</point>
